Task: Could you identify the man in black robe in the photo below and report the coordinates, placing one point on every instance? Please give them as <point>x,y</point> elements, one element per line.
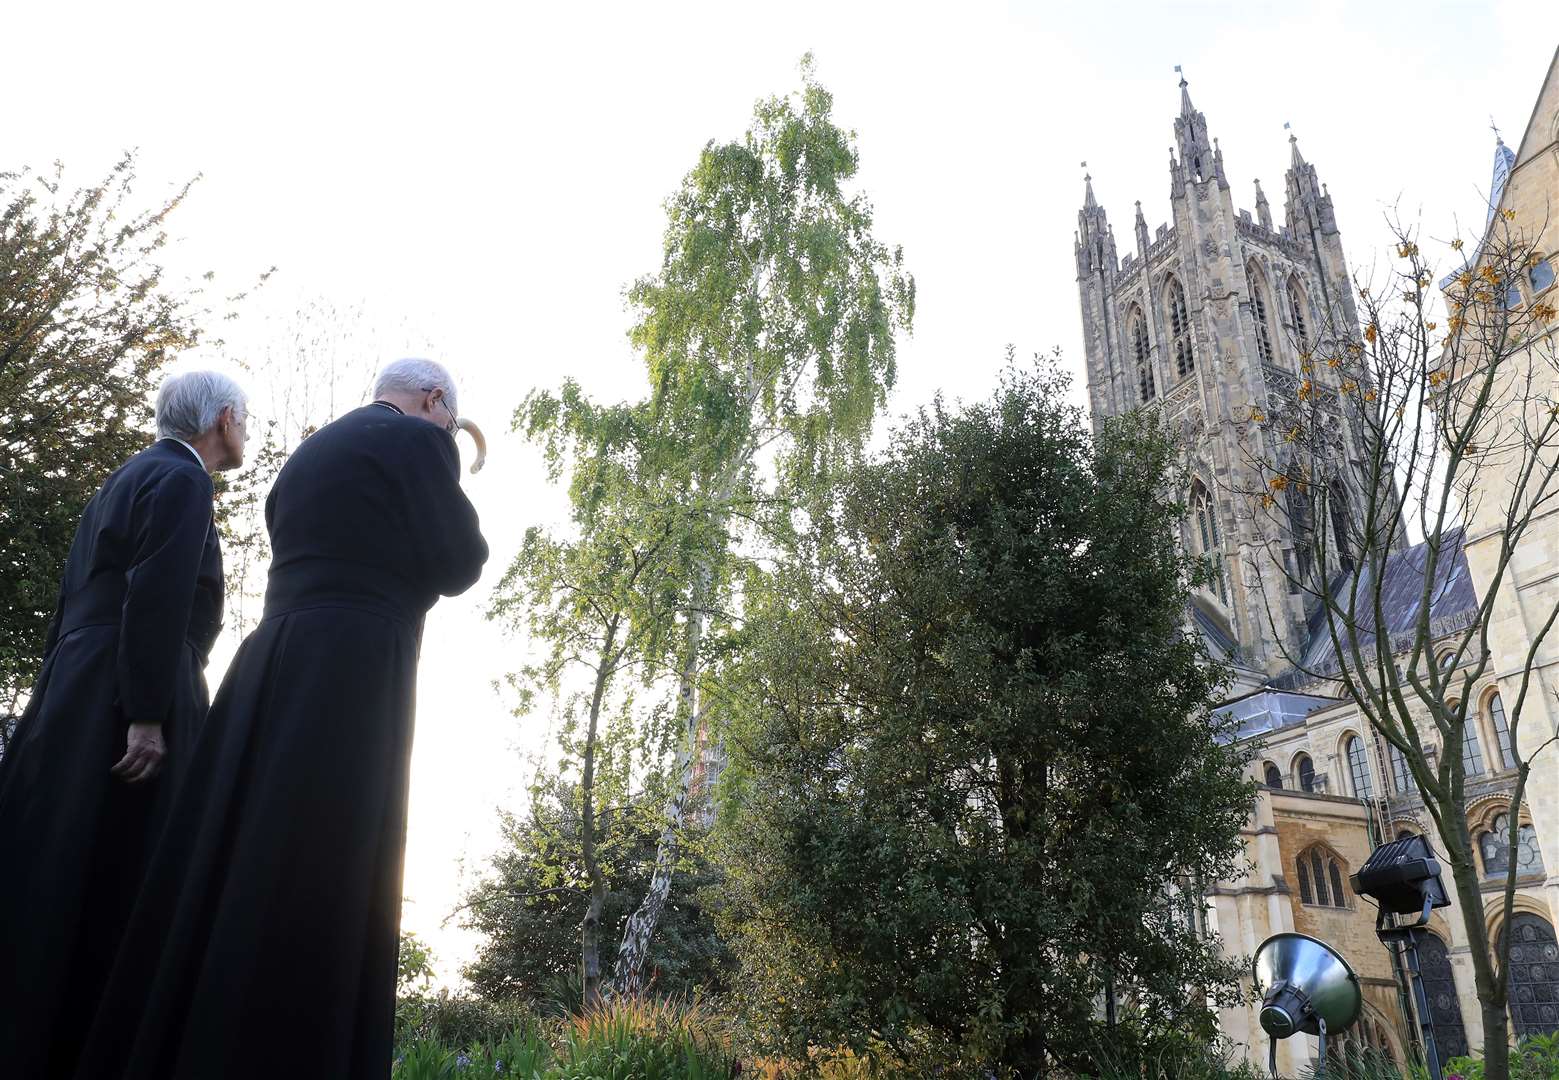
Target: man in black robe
<point>106,732</point>
<point>265,940</point>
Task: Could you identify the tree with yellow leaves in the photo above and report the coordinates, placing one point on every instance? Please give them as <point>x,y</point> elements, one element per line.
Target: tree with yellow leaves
<point>1455,444</point>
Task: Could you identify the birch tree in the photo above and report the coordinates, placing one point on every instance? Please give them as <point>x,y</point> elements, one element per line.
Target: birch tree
<point>1454,418</point>
<point>601,603</point>
<point>768,337</point>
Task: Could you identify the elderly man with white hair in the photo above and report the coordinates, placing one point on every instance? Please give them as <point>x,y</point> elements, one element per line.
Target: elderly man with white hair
<point>265,939</point>
<point>107,730</point>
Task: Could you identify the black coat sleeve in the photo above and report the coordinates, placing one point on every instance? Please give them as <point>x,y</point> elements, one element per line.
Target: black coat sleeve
<point>446,539</point>
<point>170,527</point>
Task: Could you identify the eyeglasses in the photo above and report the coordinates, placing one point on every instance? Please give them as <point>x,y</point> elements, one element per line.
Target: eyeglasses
<point>454,421</point>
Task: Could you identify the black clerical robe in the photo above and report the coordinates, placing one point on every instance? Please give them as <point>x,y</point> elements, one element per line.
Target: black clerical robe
<point>140,606</point>
<point>265,940</point>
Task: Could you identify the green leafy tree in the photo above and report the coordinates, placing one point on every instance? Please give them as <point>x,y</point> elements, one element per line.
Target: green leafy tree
<point>976,778</point>
<point>603,604</point>
<point>539,892</point>
<point>414,969</point>
<point>87,320</point>
<point>769,336</point>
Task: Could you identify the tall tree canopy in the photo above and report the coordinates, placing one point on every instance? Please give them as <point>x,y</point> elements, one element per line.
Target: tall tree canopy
<point>977,768</point>
<point>768,335</point>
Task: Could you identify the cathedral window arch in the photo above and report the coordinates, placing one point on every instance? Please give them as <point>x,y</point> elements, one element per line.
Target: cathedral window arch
<point>1297,306</point>
<point>1358,767</point>
<point>1271,775</point>
<point>1209,539</point>
<point>1401,775</point>
<point>1141,353</point>
<point>1541,275</point>
<point>1321,873</point>
<point>1179,327</point>
<point>1304,773</point>
<point>1501,728</point>
<point>1472,745</point>
<point>1494,847</point>
<point>1258,309</point>
<point>1337,504</point>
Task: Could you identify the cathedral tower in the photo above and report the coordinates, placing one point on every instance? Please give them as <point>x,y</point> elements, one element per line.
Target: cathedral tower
<point>1208,321</point>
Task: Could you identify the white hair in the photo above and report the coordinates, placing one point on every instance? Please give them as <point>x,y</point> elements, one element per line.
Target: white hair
<point>413,376</point>
<point>188,405</point>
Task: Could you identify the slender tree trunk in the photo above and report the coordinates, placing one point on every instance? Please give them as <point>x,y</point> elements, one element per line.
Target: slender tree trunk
<point>1491,989</point>
<point>637,934</point>
<point>590,929</point>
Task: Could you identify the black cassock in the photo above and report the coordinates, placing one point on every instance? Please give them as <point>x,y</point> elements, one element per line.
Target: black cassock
<point>265,940</point>
<point>140,606</point>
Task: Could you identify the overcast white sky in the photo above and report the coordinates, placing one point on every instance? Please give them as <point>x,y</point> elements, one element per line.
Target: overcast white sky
<point>488,178</point>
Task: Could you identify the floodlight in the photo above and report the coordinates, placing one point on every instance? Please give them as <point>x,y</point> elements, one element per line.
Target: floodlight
<point>1307,987</point>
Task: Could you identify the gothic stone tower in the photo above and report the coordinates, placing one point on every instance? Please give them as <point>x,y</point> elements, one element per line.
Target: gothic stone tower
<point>1206,320</point>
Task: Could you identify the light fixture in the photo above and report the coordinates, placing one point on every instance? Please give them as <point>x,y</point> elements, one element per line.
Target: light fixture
<point>1307,988</point>
<point>1403,877</point>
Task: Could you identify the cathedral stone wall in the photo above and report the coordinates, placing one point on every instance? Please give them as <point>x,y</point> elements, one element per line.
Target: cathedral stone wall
<point>1227,259</point>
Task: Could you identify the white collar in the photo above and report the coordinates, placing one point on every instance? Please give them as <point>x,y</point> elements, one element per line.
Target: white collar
<point>191,449</point>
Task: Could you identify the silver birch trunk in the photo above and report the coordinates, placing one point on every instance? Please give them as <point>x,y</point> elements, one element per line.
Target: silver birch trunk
<point>640,929</point>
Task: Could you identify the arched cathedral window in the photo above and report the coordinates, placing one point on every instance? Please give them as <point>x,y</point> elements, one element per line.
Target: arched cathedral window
<point>1507,752</point>
<point>1337,503</point>
<point>1321,875</point>
<point>1141,354</point>
<point>1359,767</point>
<point>1180,328</point>
<point>1494,846</point>
<point>1206,514</point>
<point>1258,306</point>
<point>1296,307</point>
<point>1472,747</point>
<point>1304,768</point>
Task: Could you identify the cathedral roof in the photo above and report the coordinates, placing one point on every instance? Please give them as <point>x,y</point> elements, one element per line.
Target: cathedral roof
<point>1271,710</point>
<point>1452,602</point>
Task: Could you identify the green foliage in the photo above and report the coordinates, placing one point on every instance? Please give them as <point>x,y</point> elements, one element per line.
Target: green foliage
<point>530,907</point>
<point>456,1020</point>
<point>1536,1057</point>
<point>626,1040</point>
<point>87,320</point>
<point>977,774</point>
<point>415,964</point>
<point>768,334</point>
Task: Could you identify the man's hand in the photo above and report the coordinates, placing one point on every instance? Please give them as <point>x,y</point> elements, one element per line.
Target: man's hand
<point>144,751</point>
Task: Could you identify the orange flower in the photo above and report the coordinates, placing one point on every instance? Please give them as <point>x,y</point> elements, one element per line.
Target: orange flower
<point>1510,215</point>
<point>1437,377</point>
<point>1333,361</point>
<point>1407,250</point>
<point>1305,389</point>
<point>1257,416</point>
<point>1369,395</point>
<point>1456,245</point>
<point>1267,502</point>
<point>1429,326</point>
<point>1279,482</point>
<point>1349,386</point>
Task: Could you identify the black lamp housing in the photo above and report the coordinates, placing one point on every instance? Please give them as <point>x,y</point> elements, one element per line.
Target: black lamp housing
<point>1403,877</point>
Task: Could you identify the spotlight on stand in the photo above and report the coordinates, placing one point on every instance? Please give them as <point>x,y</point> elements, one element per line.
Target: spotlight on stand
<point>1403,877</point>
<point>1306,988</point>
